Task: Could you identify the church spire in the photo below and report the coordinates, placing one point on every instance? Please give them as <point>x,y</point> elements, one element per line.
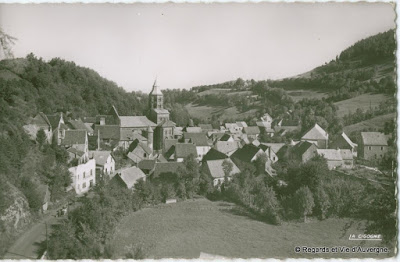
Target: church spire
<point>155,90</point>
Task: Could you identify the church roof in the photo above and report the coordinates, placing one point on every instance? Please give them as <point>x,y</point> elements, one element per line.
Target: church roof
<point>161,111</point>
<point>156,90</point>
<point>136,121</point>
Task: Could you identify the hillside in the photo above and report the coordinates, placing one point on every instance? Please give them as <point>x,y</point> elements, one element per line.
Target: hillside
<point>28,86</point>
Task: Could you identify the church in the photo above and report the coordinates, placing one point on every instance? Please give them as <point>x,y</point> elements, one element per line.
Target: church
<point>159,115</point>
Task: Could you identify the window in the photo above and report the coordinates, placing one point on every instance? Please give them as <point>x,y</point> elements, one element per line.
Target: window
<point>144,154</point>
<point>381,148</point>
<point>91,172</point>
<point>369,148</point>
<point>84,185</point>
<point>91,183</point>
<point>84,174</point>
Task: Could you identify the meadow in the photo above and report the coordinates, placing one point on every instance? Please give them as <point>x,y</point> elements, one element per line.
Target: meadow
<point>364,102</point>
<point>186,229</point>
<point>374,124</point>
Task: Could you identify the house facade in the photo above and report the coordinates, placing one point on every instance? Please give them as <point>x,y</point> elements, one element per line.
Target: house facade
<point>372,146</point>
<point>318,136</point>
<point>83,176</point>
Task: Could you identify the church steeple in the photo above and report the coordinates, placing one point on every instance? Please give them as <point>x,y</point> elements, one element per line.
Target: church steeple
<point>156,98</point>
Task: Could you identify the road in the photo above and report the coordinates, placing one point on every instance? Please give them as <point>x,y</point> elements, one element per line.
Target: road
<point>27,245</point>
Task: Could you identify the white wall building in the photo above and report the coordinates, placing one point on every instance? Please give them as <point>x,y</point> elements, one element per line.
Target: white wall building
<point>83,176</point>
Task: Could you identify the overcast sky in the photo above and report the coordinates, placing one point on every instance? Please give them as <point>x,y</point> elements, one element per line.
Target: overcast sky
<point>187,45</point>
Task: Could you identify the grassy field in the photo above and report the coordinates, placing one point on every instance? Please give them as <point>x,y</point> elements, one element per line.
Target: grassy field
<point>205,112</point>
<point>376,124</point>
<point>214,91</point>
<point>364,102</point>
<point>185,229</point>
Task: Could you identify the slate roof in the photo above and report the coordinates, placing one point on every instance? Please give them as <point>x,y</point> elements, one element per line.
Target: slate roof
<point>155,90</point>
<point>300,148</point>
<point>136,121</point>
<point>168,143</point>
<point>183,150</point>
<point>75,151</point>
<point>316,133</point>
<point>199,139</point>
<point>89,119</point>
<point>251,130</point>
<point>274,146</point>
<point>246,153</point>
<point>226,147</point>
<point>79,125</point>
<point>41,120</point>
<point>216,168</point>
<point>216,136</point>
<point>54,120</point>
<point>109,119</point>
<point>348,140</point>
<point>167,167</point>
<point>214,154</point>
<point>100,156</point>
<point>130,175</point>
<point>373,139</point>
<point>129,135</point>
<point>136,143</point>
<point>107,132</point>
<point>206,127</point>
<point>167,123</point>
<point>147,164</point>
<point>73,137</point>
<point>241,124</point>
<point>330,154</point>
<point>263,124</point>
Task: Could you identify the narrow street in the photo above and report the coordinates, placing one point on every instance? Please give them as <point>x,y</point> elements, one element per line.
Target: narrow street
<point>27,245</point>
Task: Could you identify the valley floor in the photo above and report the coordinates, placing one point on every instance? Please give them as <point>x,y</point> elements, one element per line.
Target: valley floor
<point>186,229</point>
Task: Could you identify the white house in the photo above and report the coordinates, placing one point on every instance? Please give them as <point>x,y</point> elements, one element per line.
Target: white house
<point>83,176</point>
<point>105,162</point>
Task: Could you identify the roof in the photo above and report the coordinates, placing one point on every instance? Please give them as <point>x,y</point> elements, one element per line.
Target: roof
<point>216,135</point>
<point>166,167</point>
<point>75,151</point>
<point>226,147</point>
<point>300,148</point>
<point>147,164</point>
<point>79,125</point>
<point>109,119</point>
<point>41,120</point>
<point>199,139</point>
<point>193,129</point>
<point>129,135</point>
<point>217,170</point>
<point>225,137</point>
<point>136,143</point>
<point>290,122</point>
<point>241,124</point>
<point>348,140</point>
<point>54,120</point>
<point>168,143</point>
<point>183,150</point>
<point>73,137</point>
<point>214,154</point>
<point>89,119</point>
<point>206,127</point>
<point>167,123</point>
<point>274,146</point>
<point>178,131</point>
<point>346,154</point>
<point>107,131</point>
<point>251,130</point>
<point>246,153</point>
<point>373,139</point>
<point>266,116</point>
<point>316,133</point>
<point>136,121</point>
<point>100,156</point>
<point>231,125</point>
<point>263,124</point>
<point>160,110</point>
<point>130,175</point>
<point>156,90</point>
<point>330,154</point>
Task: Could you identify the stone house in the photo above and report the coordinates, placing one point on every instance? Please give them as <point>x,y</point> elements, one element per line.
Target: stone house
<point>318,136</point>
<point>372,145</point>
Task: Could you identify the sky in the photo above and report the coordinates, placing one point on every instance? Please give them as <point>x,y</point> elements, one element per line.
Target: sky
<point>186,45</point>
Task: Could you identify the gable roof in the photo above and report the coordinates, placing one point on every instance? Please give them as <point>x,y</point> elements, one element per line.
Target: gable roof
<point>107,132</point>
<point>89,119</point>
<point>274,146</point>
<point>348,140</point>
<point>183,150</point>
<point>54,120</point>
<point>100,156</point>
<point>130,175</point>
<point>167,123</point>
<point>246,153</point>
<point>168,143</point>
<point>147,164</point>
<point>79,125</point>
<point>136,121</point>
<point>129,135</point>
<point>160,110</point>
<point>166,167</point>
<point>330,154</point>
<point>252,130</point>
<point>226,147</point>
<point>373,139</point>
<point>73,137</point>
<point>225,137</point>
<point>41,120</point>
<point>75,151</point>
<point>136,143</point>
<point>206,127</point>
<point>217,170</point>
<point>199,139</point>
<point>316,133</point>
<point>192,129</point>
<point>241,124</point>
<point>300,148</point>
<point>214,154</point>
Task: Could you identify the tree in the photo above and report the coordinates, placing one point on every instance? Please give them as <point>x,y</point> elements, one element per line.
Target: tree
<point>6,41</point>
<point>41,138</point>
<point>227,166</point>
<point>265,199</point>
<point>305,201</point>
<point>260,163</point>
<point>322,202</point>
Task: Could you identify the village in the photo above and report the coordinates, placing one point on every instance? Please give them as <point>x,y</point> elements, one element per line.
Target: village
<point>154,145</point>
